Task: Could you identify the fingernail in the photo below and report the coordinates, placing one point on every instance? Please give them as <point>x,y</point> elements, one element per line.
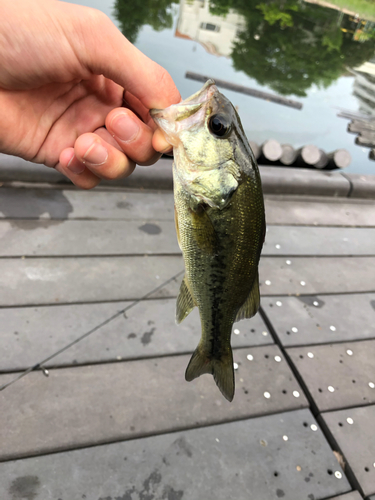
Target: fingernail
<point>74,166</point>
<point>96,154</point>
<point>167,151</point>
<point>124,128</point>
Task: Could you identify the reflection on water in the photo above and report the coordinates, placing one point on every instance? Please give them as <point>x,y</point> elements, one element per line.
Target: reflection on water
<point>288,45</point>
<point>133,15</point>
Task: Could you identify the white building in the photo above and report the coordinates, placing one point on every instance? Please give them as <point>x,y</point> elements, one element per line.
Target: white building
<point>215,33</point>
<point>364,87</point>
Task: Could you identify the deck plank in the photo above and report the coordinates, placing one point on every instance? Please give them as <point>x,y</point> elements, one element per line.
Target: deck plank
<point>339,375</point>
<point>84,238</point>
<point>319,212</point>
<point>71,280</point>
<point>318,319</point>
<point>213,463</point>
<point>55,204</point>
<point>38,281</point>
<point>353,495</point>
<point>314,275</point>
<point>76,237</point>
<point>356,441</point>
<point>29,335</point>
<point>87,405</point>
<point>297,240</point>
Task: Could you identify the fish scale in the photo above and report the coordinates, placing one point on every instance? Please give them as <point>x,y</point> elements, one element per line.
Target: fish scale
<point>220,224</point>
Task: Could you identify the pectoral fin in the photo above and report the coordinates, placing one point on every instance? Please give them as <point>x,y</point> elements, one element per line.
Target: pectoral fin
<point>251,304</point>
<point>185,302</point>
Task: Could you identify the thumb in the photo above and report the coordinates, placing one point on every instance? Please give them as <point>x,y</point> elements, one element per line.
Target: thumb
<point>108,52</point>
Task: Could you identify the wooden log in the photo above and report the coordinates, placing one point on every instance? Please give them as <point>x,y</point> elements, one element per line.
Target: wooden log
<point>289,154</point>
<point>271,150</point>
<point>255,149</point>
<point>308,155</point>
<point>372,154</point>
<point>340,158</point>
<point>357,126</point>
<point>246,90</point>
<point>355,116</point>
<point>323,160</point>
<point>367,142</point>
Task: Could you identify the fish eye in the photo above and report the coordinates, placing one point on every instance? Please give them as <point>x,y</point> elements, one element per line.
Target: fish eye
<point>218,125</point>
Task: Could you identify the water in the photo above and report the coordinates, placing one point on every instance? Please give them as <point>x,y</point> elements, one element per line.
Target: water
<point>303,51</point>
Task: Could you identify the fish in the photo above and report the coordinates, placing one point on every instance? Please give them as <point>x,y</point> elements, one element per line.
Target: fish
<point>220,224</point>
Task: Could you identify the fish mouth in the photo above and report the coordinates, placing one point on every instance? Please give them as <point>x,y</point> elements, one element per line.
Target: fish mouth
<point>187,108</point>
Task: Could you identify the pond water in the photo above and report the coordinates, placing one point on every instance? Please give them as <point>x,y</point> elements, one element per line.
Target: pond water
<point>319,56</point>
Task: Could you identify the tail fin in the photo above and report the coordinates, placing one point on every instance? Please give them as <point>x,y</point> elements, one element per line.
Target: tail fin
<point>221,369</point>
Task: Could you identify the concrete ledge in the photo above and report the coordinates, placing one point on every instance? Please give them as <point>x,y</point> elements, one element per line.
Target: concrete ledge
<point>276,180</point>
<point>363,186</point>
<point>284,180</point>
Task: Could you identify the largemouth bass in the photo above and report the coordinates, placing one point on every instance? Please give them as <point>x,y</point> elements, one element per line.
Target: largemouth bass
<point>220,224</point>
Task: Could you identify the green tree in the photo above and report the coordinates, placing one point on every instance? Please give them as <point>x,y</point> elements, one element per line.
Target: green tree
<point>274,12</point>
<point>289,45</point>
<point>133,15</point>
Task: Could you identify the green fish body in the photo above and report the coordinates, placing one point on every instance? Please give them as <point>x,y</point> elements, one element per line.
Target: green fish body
<point>220,223</point>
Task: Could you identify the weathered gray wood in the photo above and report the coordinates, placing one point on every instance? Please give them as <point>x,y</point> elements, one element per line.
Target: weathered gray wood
<point>76,407</point>
<point>341,158</point>
<point>255,149</point>
<point>70,280</point>
<point>271,150</point>
<point>359,125</point>
<point>366,140</point>
<point>289,154</point>
<point>77,204</point>
<point>353,430</point>
<point>14,169</point>
<point>38,281</point>
<point>29,335</point>
<point>307,182</point>
<point>363,186</point>
<point>77,237</point>
<point>309,154</point>
<point>246,90</point>
<point>129,205</point>
<point>323,160</point>
<point>339,375</point>
<point>353,495</point>
<point>314,275</point>
<point>296,240</point>
<point>317,319</point>
<point>221,462</point>
<point>319,212</point>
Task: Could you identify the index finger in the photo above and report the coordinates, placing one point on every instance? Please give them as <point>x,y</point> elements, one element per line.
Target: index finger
<point>112,55</point>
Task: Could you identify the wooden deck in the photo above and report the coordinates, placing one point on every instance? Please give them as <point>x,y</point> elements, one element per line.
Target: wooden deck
<point>88,282</point>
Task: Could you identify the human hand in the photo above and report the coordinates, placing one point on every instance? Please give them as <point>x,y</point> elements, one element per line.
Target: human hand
<point>65,72</point>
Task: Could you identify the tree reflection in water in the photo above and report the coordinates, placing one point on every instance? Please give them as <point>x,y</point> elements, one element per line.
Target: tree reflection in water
<point>288,45</point>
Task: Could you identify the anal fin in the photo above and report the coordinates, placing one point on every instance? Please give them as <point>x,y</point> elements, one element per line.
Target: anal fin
<point>251,305</point>
<point>185,302</point>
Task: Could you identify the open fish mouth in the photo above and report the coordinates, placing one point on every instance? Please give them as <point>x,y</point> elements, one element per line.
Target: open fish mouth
<point>189,111</point>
